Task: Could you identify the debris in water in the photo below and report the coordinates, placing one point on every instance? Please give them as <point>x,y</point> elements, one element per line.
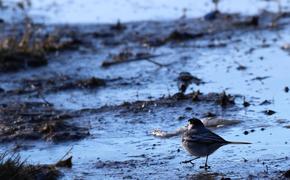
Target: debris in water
<point>225,100</point>
<point>269,112</point>
<point>246,103</point>
<point>246,132</point>
<point>241,68</point>
<point>259,78</point>
<point>118,26</point>
<point>265,102</point>
<point>288,126</point>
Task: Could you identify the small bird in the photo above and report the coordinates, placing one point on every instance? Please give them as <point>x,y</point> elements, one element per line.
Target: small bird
<point>184,80</point>
<point>201,142</point>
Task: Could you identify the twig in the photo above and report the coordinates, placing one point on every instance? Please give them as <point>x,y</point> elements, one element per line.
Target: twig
<point>44,100</point>
<point>154,62</point>
<point>146,58</point>
<point>65,154</point>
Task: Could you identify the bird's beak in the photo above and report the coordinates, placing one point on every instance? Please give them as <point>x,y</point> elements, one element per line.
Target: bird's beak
<point>190,122</point>
<point>190,126</point>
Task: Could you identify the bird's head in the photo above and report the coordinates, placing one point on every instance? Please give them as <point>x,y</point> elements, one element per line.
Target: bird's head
<point>194,123</point>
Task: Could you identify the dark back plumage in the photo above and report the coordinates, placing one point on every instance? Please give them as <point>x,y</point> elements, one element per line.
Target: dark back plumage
<point>197,132</point>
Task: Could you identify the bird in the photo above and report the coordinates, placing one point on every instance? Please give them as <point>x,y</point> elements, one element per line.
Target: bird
<point>185,79</point>
<point>201,142</point>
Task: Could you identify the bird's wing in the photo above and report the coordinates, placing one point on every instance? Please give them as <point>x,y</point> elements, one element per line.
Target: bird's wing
<point>206,137</point>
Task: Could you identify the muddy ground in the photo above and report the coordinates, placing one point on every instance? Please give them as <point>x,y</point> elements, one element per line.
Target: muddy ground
<point>103,89</point>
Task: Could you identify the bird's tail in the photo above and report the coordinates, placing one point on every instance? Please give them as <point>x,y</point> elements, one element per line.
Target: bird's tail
<point>235,142</point>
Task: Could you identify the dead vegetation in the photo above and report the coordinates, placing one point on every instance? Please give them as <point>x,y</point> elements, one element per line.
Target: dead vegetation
<point>12,167</point>
<point>17,54</point>
<point>128,55</point>
<point>28,49</point>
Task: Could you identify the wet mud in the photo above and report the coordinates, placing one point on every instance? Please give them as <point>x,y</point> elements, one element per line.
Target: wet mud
<point>38,121</point>
<point>108,91</point>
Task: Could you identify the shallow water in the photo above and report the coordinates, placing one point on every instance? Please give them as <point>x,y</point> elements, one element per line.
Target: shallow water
<point>116,136</point>
<point>110,11</point>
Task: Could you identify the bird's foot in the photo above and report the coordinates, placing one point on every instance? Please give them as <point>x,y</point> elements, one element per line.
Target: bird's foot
<point>190,161</point>
<point>186,162</point>
<point>204,167</point>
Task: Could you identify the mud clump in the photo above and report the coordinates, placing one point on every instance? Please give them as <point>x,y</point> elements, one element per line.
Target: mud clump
<point>225,99</point>
<point>168,101</point>
<point>60,131</point>
<point>36,121</point>
<point>287,174</point>
<point>12,167</point>
<point>182,36</point>
<point>269,112</point>
<point>246,104</point>
<point>65,163</point>
<point>118,26</point>
<point>265,102</point>
<point>92,82</point>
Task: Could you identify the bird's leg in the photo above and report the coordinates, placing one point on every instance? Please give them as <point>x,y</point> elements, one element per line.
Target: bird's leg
<point>279,13</point>
<point>205,165</point>
<point>216,2</point>
<point>190,161</point>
